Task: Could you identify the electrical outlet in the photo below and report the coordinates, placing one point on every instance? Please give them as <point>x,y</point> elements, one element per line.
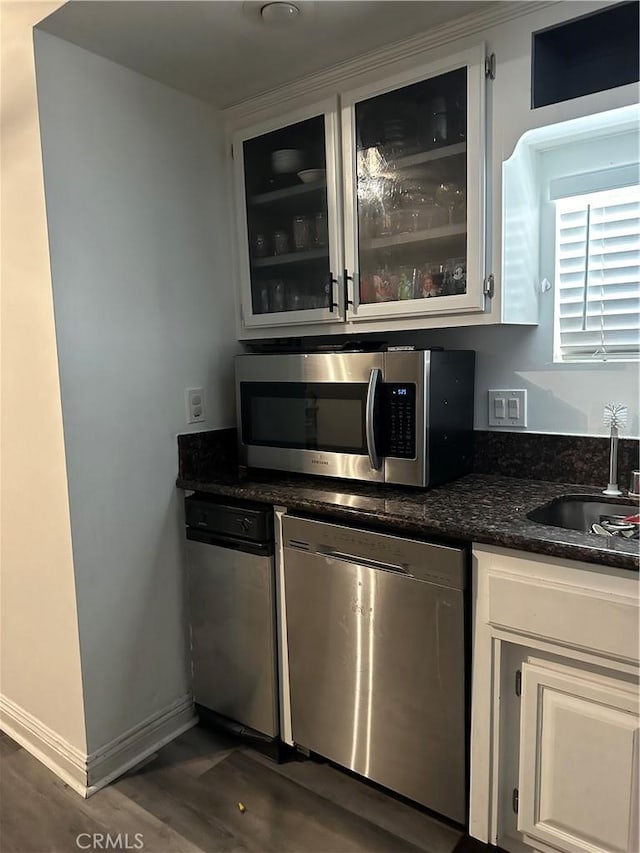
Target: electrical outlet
<point>508,408</point>
<point>195,405</point>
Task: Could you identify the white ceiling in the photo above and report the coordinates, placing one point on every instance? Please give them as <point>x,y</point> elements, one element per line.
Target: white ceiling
<point>221,52</point>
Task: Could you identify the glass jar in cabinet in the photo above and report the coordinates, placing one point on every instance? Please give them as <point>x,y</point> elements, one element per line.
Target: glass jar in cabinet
<point>290,248</point>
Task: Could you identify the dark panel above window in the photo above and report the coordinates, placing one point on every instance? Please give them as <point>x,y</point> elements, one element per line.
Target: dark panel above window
<point>586,55</point>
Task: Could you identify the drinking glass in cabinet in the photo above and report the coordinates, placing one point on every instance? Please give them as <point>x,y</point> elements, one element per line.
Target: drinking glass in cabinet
<point>404,220</point>
<point>457,117</point>
<point>301,233</point>
<point>452,196</point>
<point>319,299</point>
<point>295,300</point>
<point>280,243</point>
<point>260,246</point>
<point>263,305</point>
<point>277,301</point>
<point>320,232</point>
<point>438,122</point>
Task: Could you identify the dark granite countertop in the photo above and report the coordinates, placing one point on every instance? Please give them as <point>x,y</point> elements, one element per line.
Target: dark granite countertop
<point>477,508</point>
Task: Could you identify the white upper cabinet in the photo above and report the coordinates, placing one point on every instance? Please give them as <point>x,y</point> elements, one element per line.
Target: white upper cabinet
<point>289,219</point>
<point>380,222</point>
<point>413,154</point>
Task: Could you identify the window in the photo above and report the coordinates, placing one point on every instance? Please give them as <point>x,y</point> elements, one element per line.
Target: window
<point>597,308</point>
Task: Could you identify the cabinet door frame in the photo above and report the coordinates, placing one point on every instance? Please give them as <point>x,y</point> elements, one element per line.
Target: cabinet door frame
<point>612,697</point>
<point>474,299</point>
<point>328,107</point>
<point>491,817</point>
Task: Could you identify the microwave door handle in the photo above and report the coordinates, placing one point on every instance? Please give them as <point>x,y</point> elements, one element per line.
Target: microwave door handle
<point>374,459</point>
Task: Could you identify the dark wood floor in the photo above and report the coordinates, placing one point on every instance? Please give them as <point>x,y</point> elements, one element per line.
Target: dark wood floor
<point>186,799</point>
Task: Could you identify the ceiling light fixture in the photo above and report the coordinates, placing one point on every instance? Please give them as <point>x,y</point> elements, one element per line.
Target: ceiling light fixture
<point>279,14</point>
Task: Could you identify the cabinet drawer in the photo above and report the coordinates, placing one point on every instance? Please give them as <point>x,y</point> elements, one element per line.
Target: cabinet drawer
<point>581,618</point>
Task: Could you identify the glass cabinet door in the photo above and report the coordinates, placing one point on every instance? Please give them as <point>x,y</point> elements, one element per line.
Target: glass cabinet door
<point>291,257</point>
<point>414,194</point>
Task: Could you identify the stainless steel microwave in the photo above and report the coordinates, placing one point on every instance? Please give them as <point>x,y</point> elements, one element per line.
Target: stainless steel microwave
<point>401,417</point>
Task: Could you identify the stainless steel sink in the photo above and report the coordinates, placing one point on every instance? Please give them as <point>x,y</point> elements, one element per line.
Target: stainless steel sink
<point>579,512</point>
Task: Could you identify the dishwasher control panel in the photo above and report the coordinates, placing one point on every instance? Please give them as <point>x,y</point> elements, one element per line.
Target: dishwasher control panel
<point>425,561</point>
<point>252,522</point>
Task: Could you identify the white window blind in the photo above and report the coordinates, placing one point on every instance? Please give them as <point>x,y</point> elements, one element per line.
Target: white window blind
<point>598,276</point>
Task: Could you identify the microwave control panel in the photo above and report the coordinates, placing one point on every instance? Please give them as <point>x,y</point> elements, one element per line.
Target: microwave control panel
<point>400,417</point>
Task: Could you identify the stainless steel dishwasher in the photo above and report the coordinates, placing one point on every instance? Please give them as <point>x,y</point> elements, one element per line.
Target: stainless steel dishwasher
<point>232,611</point>
<point>376,655</point>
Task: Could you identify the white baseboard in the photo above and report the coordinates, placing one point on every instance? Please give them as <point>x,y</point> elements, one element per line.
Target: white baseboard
<point>124,752</point>
<point>63,759</point>
<point>87,774</point>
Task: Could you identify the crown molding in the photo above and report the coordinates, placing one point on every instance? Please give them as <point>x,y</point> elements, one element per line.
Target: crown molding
<point>338,75</point>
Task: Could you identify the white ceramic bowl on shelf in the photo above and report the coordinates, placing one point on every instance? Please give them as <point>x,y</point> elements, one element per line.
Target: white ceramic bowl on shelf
<point>311,176</point>
<point>286,161</point>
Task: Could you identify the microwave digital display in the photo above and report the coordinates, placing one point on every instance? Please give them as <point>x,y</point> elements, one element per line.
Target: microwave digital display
<point>398,418</point>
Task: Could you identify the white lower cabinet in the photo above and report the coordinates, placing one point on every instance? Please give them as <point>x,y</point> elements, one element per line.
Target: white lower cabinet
<point>578,768</point>
<point>555,705</point>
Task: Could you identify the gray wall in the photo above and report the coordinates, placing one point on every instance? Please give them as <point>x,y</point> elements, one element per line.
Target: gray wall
<point>562,398</point>
<point>139,239</point>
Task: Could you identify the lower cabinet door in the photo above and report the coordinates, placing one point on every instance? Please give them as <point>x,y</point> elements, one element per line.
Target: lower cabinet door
<point>578,774</point>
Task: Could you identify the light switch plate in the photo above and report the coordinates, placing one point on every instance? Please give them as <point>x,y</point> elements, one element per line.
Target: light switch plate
<point>508,408</point>
<point>195,405</point>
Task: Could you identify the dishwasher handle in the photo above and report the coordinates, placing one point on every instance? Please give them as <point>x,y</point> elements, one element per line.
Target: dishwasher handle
<point>364,561</point>
<point>374,459</point>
